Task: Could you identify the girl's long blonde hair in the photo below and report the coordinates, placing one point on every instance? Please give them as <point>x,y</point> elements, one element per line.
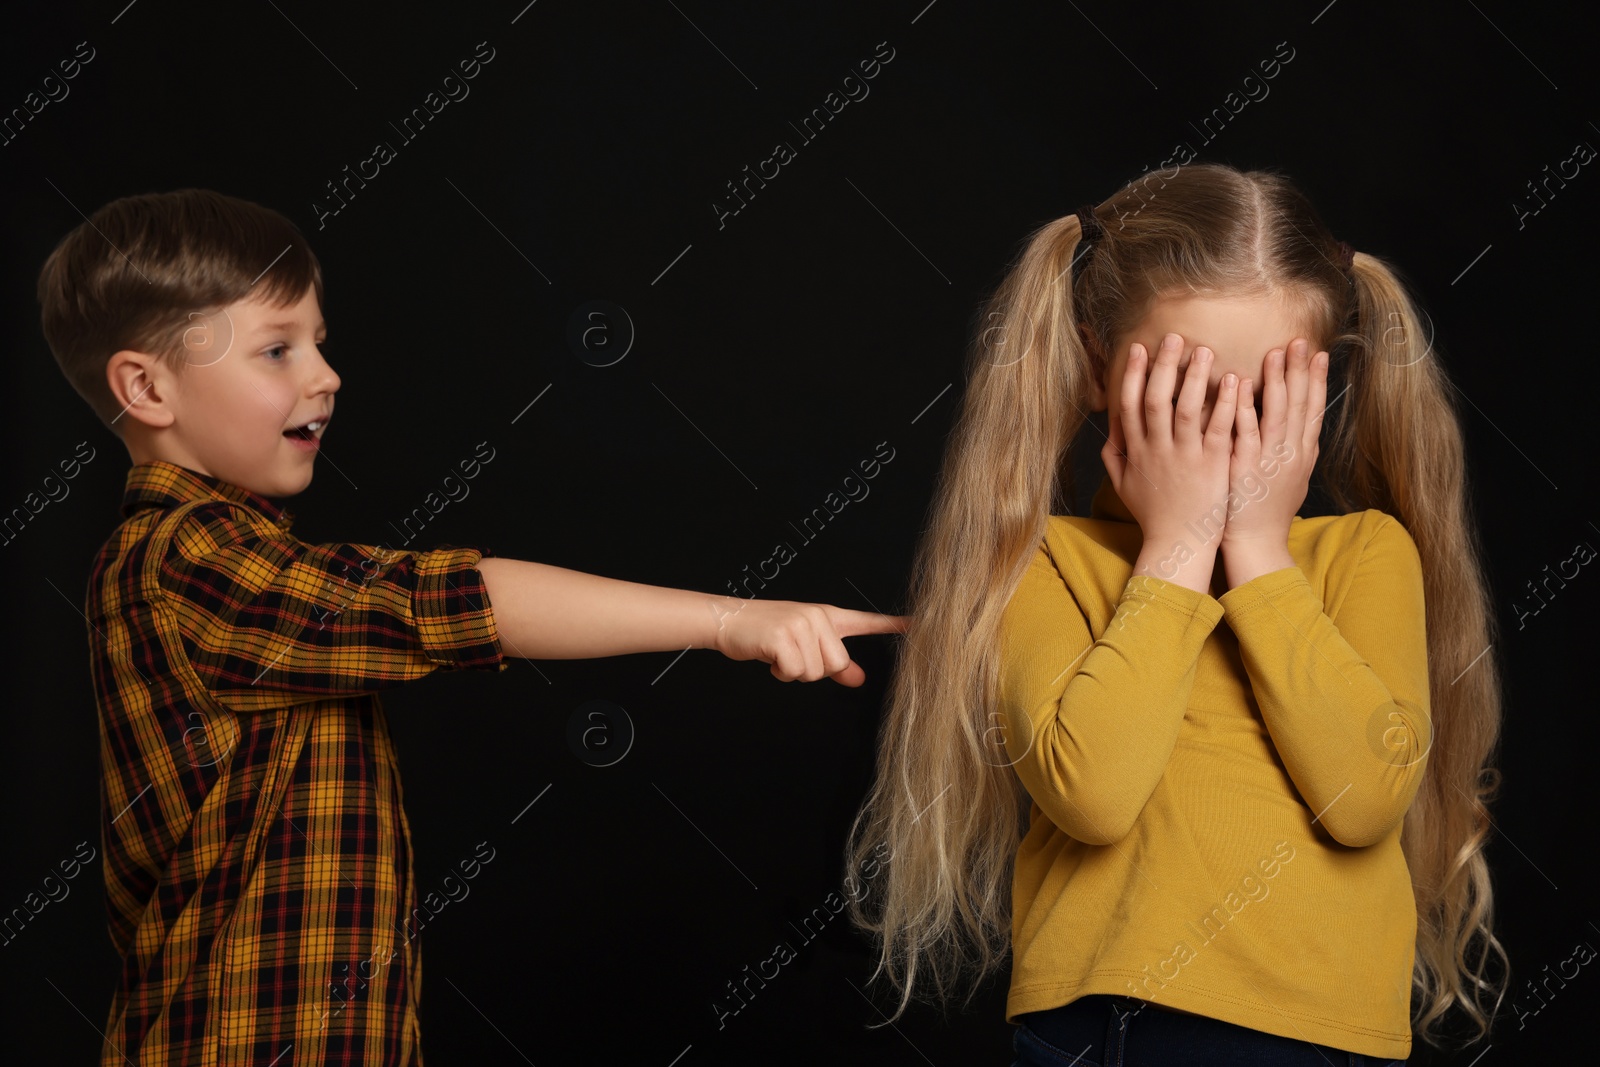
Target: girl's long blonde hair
<point>945,799</point>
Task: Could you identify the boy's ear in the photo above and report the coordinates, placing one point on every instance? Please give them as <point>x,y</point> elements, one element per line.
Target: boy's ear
<point>142,386</point>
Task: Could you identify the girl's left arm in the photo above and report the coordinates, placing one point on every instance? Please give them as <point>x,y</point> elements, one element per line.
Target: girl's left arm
<point>1346,702</point>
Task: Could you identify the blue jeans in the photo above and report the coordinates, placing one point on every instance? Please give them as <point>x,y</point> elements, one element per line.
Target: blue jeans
<point>1114,1031</point>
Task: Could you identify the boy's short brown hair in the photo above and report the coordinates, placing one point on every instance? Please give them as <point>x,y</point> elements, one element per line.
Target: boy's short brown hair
<point>136,272</point>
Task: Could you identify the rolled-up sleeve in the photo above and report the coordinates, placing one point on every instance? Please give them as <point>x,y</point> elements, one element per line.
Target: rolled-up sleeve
<point>266,620</point>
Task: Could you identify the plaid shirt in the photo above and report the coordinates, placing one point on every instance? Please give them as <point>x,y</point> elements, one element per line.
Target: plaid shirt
<point>257,857</point>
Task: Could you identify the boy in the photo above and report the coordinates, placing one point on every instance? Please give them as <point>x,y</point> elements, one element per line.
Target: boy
<point>258,867</point>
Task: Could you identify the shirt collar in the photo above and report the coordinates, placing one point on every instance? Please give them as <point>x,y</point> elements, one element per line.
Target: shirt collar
<point>1108,505</point>
<point>166,485</point>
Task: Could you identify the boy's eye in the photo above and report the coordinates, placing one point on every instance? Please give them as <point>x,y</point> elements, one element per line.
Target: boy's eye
<point>277,348</point>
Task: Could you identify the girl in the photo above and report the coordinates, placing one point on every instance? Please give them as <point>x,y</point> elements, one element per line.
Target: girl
<point>1258,842</point>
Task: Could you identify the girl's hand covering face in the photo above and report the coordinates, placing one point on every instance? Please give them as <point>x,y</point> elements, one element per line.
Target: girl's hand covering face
<point>1270,470</point>
<point>1238,476</point>
<point>1167,468</point>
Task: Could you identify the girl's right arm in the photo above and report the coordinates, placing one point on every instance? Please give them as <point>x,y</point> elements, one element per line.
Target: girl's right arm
<point>1091,720</point>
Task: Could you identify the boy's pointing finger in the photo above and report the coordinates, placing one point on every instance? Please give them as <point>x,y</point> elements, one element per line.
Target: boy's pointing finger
<point>848,622</point>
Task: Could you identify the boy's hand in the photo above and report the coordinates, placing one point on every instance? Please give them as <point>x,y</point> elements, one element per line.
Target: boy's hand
<point>801,641</point>
<point>1270,469</point>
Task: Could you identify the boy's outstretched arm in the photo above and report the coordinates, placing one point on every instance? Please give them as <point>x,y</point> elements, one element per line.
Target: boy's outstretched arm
<point>547,612</point>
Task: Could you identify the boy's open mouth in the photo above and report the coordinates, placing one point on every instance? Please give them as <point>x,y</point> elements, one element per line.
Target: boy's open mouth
<point>307,432</point>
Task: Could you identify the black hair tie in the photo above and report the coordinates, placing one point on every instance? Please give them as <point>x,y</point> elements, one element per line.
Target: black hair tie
<point>1089,224</point>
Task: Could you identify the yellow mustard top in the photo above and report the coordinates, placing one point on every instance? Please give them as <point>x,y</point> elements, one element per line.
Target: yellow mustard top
<point>1216,810</point>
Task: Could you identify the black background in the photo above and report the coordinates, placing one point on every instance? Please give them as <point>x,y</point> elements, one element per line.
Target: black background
<point>771,355</point>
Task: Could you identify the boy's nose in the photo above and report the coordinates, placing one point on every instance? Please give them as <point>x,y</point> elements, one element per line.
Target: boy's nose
<point>324,378</point>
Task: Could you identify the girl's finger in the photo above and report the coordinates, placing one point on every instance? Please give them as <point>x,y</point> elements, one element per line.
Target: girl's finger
<point>1192,396</point>
<point>1112,453</point>
<point>1274,398</point>
<point>1245,425</point>
<point>1298,381</point>
<point>1220,430</point>
<point>1317,400</point>
<point>1131,401</point>
<point>1158,391</point>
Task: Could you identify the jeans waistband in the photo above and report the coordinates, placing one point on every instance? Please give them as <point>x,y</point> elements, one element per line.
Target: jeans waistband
<point>1091,1023</point>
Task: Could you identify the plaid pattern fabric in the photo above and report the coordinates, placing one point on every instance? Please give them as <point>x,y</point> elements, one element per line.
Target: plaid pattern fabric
<point>257,860</point>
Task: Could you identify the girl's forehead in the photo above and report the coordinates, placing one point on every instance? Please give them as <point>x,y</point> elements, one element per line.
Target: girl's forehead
<point>1235,326</point>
